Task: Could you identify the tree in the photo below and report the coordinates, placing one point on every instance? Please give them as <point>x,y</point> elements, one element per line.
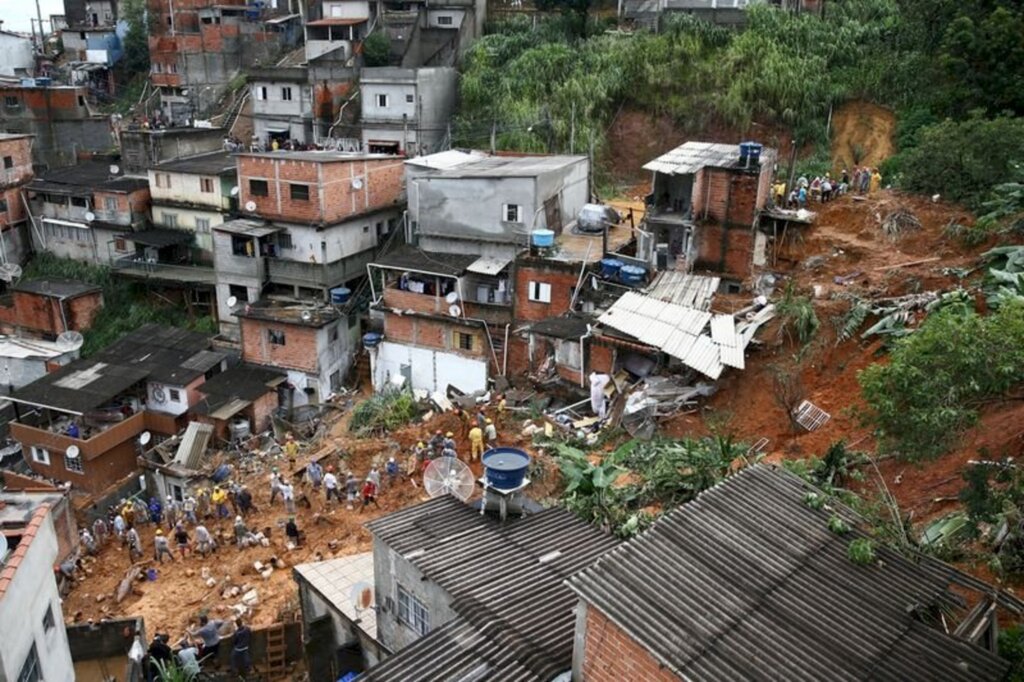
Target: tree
<point>136,39</point>
<point>377,49</point>
<point>575,11</point>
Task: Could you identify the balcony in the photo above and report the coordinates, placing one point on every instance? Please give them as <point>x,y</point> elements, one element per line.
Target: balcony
<point>298,273</point>
<point>401,299</point>
<point>242,266</point>
<point>137,267</point>
<point>95,446</point>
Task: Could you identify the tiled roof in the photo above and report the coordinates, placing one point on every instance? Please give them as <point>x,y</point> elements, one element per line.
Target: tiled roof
<point>335,579</point>
<point>748,582</point>
<point>13,560</point>
<point>507,584</point>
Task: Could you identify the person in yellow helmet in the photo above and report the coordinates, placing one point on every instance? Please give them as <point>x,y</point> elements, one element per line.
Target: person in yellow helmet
<point>476,443</point>
<point>491,432</point>
<point>161,547</point>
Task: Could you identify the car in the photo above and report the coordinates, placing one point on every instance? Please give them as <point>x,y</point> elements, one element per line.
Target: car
<point>593,218</point>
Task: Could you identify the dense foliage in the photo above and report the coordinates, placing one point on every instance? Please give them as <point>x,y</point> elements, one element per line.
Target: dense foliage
<point>125,305</point>
<point>938,377</point>
<point>377,49</point>
<point>136,39</point>
<point>384,411</point>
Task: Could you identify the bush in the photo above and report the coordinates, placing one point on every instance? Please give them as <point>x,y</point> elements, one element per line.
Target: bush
<point>377,49</point>
<point>383,412</point>
<point>939,376</point>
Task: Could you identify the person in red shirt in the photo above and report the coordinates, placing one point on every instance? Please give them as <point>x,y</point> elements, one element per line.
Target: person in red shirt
<point>369,495</point>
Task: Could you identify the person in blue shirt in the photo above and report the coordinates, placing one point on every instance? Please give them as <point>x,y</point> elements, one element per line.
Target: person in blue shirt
<point>73,431</point>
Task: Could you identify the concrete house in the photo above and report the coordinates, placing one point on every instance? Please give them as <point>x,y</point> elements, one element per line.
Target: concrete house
<point>33,641</point>
<point>649,13</point>
<point>406,111</point>
<point>340,26</point>
<point>90,12</point>
<point>451,586</point>
<point>80,424</point>
<point>432,33</point>
<point>15,172</point>
<point>313,220</point>
<point>282,104</point>
<point>757,589</point>
<point>16,55</point>
<point>81,211</point>
<point>311,342</point>
<point>704,202</point>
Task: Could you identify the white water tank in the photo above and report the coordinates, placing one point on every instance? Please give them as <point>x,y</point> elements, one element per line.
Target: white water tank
<point>240,428</point>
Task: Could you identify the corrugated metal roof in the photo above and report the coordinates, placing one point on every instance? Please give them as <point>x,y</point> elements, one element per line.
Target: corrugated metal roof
<point>692,291</point>
<point>748,582</point>
<point>723,331</point>
<point>732,356</point>
<point>193,445</point>
<point>691,157</point>
<point>515,613</point>
<point>488,265</point>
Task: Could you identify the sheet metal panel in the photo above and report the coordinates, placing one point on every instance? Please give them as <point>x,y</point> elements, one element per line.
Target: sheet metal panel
<point>704,357</point>
<point>723,331</point>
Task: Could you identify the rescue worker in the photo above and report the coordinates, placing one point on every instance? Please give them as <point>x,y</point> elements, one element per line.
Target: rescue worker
<point>134,543</point>
<point>476,443</point>
<point>315,473</point>
<point>171,510</point>
<point>188,508</point>
<point>161,546</point>
<point>291,450</point>
<point>220,500</point>
<point>204,541</point>
<point>331,485</point>
<point>491,433</point>
<point>436,444</point>
<point>182,540</point>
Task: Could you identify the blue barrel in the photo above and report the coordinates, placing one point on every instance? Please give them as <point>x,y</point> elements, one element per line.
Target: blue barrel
<point>610,267</point>
<point>632,274</point>
<point>505,468</point>
<point>744,151</point>
<point>372,339</point>
<point>150,574</point>
<point>754,153</point>
<point>221,473</point>
<point>340,295</point>
<point>543,238</point>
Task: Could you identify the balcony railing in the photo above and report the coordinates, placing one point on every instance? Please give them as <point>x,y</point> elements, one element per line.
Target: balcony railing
<point>291,272</point>
<point>134,266</point>
<point>93,447</point>
<point>241,266</point>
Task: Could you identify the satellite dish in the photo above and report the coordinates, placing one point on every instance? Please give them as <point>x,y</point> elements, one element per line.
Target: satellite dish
<point>70,340</point>
<point>232,301</point>
<point>362,596</point>
<point>452,297</point>
<point>158,394</point>
<point>454,310</point>
<point>234,191</point>
<point>145,437</point>
<point>357,183</point>
<point>306,316</point>
<point>10,272</point>
<point>449,476</point>
<point>73,451</point>
<point>250,206</point>
<point>90,216</point>
<point>114,169</point>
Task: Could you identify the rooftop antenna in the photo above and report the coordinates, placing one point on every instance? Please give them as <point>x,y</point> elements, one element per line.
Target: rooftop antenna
<point>449,476</point>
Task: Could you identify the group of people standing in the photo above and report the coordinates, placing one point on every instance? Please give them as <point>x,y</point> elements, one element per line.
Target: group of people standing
<point>824,188</point>
<point>199,646</point>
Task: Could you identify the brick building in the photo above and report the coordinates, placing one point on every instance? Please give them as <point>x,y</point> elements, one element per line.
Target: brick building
<point>248,392</point>
<point>80,424</point>
<point>703,209</point>
<point>716,591</point>
<point>47,307</point>
<point>313,220</point>
<point>81,212</point>
<point>15,172</point>
<point>312,343</point>
<point>60,118</point>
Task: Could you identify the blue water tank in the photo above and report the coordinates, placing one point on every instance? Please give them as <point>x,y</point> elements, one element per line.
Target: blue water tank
<point>221,473</point>
<point>610,267</point>
<point>505,468</point>
<point>632,274</point>
<point>372,339</point>
<point>340,295</point>
<point>543,238</point>
<point>44,82</point>
<point>754,153</point>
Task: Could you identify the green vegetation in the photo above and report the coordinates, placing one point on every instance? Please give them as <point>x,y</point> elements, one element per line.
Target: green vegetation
<point>377,49</point>
<point>799,321</point>
<point>126,306</point>
<point>1011,648</point>
<point>938,377</point>
<point>630,485</point>
<point>861,552</point>
<point>384,411</point>
<point>136,40</point>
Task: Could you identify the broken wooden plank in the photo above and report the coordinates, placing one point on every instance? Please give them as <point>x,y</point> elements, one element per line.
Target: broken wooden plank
<point>125,586</point>
<point>908,264</point>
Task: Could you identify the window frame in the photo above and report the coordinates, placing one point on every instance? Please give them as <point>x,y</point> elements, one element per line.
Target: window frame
<point>8,162</point>
<point>36,451</point>
<point>445,20</point>
<point>202,225</point>
<point>303,188</point>
<point>276,337</point>
<point>110,204</point>
<point>33,673</point>
<point>174,394</point>
<point>206,185</point>
<point>78,468</point>
<point>459,336</point>
<point>538,292</point>
<point>505,208</point>
<point>411,612</point>
<point>381,98</point>
<point>48,621</point>
<point>262,184</point>
<point>286,93</point>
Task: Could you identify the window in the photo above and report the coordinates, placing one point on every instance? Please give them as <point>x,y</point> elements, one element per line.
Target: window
<point>299,192</point>
<point>172,68</point>
<point>412,612</point>
<point>8,162</point>
<point>242,246</point>
<point>284,240</point>
<point>120,244</point>
<point>110,203</point>
<point>513,213</point>
<point>336,10</point>
<point>81,101</point>
<point>275,337</point>
<point>286,93</point>
<point>259,188</point>
<point>239,291</point>
<point>462,341</point>
<point>382,100</point>
<point>73,464</point>
<point>206,185</point>
<point>540,292</point>
<point>156,67</point>
<point>444,21</point>
<point>410,99</point>
<point>3,205</point>
<point>12,101</point>
<point>261,92</point>
<point>170,219</point>
<point>40,455</point>
<point>568,354</point>
<point>174,393</point>
<point>163,180</point>
<point>30,668</point>
<point>48,619</point>
<point>79,202</point>
<point>203,225</point>
<point>336,380</point>
<point>333,334</point>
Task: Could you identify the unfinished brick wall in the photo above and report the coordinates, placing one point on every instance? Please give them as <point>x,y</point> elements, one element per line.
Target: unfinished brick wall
<point>727,250</point>
<point>610,655</point>
<point>299,351</point>
<point>438,334</point>
<point>561,276</point>
<point>42,314</point>
<point>97,475</point>
<point>600,358</point>
<point>261,410</point>
<point>19,149</point>
<point>332,194</point>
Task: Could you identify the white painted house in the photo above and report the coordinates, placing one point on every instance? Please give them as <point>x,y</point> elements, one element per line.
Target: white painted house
<point>16,58</point>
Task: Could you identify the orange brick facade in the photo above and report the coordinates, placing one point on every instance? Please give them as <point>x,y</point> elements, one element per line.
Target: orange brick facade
<point>436,334</point>
<point>19,151</point>
<point>561,276</point>
<point>42,314</point>
<point>610,655</point>
<point>97,474</point>
<point>337,189</point>
<point>299,351</point>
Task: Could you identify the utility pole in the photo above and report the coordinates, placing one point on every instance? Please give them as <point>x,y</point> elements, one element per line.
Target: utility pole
<point>494,134</point>
<point>39,17</point>
<point>572,131</point>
